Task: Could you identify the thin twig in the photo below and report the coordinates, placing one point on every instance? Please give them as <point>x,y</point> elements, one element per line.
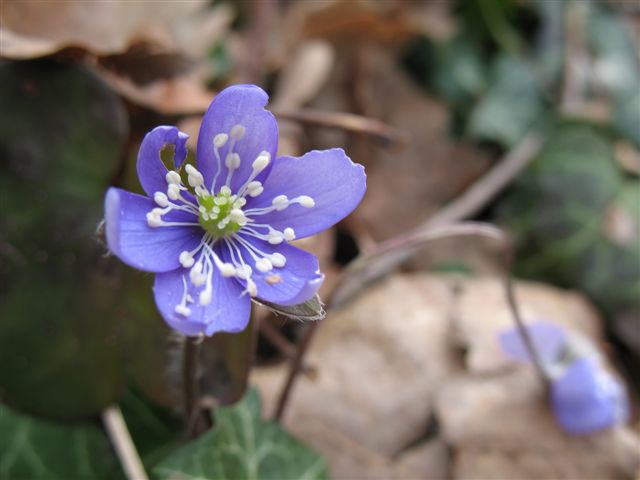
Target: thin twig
<point>123,444</point>
<point>282,343</point>
<point>483,190</point>
<point>296,368</point>
<point>572,98</point>
<point>348,121</point>
<point>277,339</point>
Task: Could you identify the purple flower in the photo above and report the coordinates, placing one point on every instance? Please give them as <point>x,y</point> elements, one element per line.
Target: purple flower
<point>585,397</point>
<point>222,236</point>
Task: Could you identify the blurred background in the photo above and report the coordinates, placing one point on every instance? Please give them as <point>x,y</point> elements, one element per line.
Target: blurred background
<point>533,106</point>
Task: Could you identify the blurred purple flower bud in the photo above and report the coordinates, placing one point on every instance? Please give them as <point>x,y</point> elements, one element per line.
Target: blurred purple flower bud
<point>585,397</point>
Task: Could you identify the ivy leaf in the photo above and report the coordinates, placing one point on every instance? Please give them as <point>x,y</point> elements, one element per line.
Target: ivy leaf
<point>575,218</point>
<point>511,106</point>
<point>242,446</point>
<point>31,448</point>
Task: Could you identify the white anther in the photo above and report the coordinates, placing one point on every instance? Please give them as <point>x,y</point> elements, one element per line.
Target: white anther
<point>227,270</point>
<point>240,202</point>
<point>289,234</point>
<point>183,310</point>
<point>278,260</point>
<point>243,272</point>
<point>173,178</point>
<point>256,191</point>
<point>195,178</point>
<point>200,191</point>
<point>236,215</point>
<point>275,237</point>
<point>238,131</point>
<point>173,192</point>
<point>225,190</point>
<point>220,139</point>
<point>232,161</point>
<point>264,265</point>
<point>153,219</point>
<point>254,188</point>
<point>196,276</point>
<point>186,259</point>
<point>306,201</point>
<point>160,199</point>
<point>252,289</point>
<point>280,202</point>
<point>205,296</point>
<point>261,162</point>
<point>220,200</point>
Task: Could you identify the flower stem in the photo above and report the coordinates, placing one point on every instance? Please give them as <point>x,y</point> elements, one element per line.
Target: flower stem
<point>196,423</point>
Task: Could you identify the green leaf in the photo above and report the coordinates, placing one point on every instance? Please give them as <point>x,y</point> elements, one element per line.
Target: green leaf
<point>242,446</point>
<point>575,220</point>
<point>37,449</point>
<point>512,105</point>
<point>156,430</point>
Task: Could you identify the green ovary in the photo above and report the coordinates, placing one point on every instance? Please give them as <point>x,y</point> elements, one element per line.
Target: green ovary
<point>215,217</point>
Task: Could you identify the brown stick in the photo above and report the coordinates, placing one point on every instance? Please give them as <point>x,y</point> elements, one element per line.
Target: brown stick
<point>348,121</point>
<point>478,195</point>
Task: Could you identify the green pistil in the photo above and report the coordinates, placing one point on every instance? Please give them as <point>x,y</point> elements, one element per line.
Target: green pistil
<point>215,217</point>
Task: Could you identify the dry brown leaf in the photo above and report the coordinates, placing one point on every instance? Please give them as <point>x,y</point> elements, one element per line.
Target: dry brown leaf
<point>404,187</point>
<point>35,28</point>
<point>304,74</point>
<point>175,96</point>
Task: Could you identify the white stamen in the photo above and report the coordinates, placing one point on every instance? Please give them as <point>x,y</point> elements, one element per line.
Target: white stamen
<point>264,265</point>
<point>275,237</point>
<point>195,178</point>
<point>220,139</point>
<point>227,270</point>
<point>243,271</point>
<point>205,296</point>
<point>173,191</point>
<point>278,260</point>
<point>153,219</point>
<point>225,190</point>
<point>254,188</point>
<point>183,310</point>
<point>232,161</point>
<point>186,259</point>
<point>173,178</point>
<point>306,201</point>
<point>261,162</point>
<point>161,199</point>
<point>238,131</point>
<point>196,276</point>
<point>289,234</point>
<point>280,202</point>
<point>252,289</point>
<point>237,215</point>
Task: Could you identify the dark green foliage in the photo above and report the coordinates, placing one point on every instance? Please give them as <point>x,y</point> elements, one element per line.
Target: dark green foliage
<point>563,211</point>
<point>242,446</point>
<point>38,449</point>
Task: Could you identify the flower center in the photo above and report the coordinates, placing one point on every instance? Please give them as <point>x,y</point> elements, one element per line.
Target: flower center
<point>221,214</point>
